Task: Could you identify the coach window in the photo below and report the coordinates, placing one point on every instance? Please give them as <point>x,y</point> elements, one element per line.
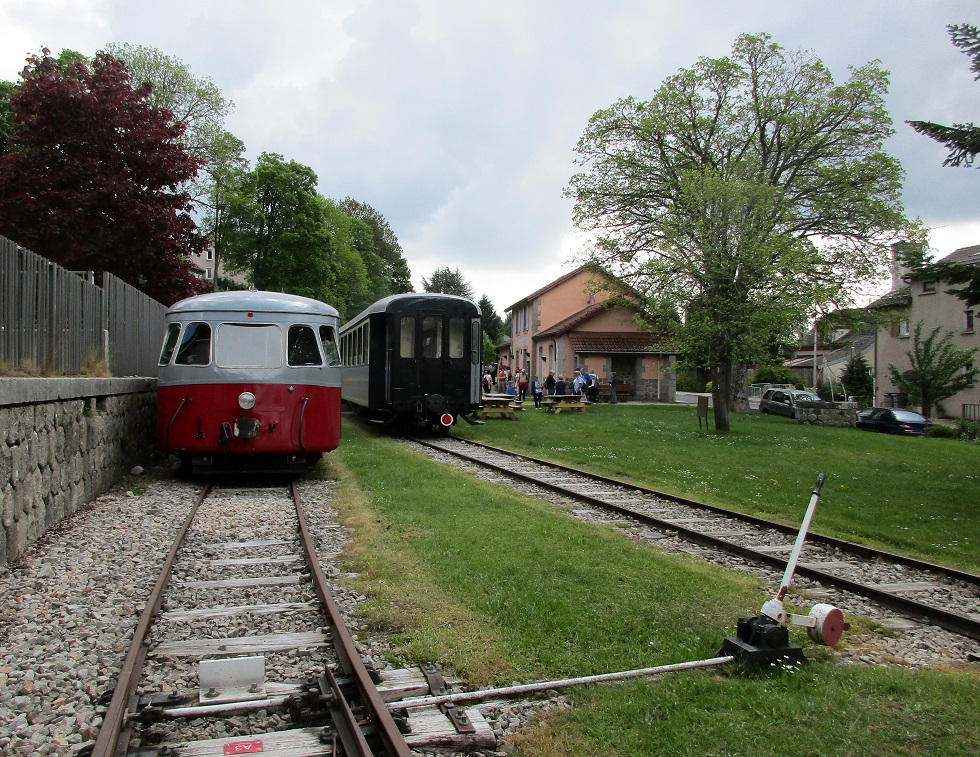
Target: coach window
<point>406,337</point>
<point>240,345</point>
<point>329,343</point>
<point>195,347</point>
<point>301,346</point>
<point>432,336</point>
<point>169,343</point>
<point>456,337</point>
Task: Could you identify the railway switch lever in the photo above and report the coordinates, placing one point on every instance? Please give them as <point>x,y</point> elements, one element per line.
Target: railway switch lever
<point>764,638</point>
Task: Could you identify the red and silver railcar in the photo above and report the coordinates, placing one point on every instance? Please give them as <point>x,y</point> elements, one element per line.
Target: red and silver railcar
<point>249,381</point>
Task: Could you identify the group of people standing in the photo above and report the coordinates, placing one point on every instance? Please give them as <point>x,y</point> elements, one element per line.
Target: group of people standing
<point>584,384</point>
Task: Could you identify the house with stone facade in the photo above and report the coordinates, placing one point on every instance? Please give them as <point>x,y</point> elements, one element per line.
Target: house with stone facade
<point>913,300</point>
<point>569,325</point>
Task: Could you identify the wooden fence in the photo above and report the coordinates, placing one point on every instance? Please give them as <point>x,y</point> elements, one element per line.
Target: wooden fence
<point>56,321</point>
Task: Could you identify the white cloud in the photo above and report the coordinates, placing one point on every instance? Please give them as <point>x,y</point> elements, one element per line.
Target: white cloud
<point>458,120</point>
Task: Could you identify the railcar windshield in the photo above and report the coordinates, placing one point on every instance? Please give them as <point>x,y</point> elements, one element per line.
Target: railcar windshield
<point>241,345</point>
<point>302,346</point>
<point>195,347</point>
<point>329,343</point>
<point>432,336</point>
<point>169,343</point>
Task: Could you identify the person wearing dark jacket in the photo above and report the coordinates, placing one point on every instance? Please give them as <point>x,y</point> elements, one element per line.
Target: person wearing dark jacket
<point>549,383</point>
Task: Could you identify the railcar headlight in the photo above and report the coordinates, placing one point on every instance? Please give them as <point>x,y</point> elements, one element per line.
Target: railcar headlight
<point>246,400</point>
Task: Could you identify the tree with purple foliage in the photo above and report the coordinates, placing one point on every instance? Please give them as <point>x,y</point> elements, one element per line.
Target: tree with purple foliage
<point>91,177</point>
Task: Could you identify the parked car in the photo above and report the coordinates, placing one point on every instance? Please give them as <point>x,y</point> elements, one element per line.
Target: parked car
<point>783,401</point>
<point>892,421</point>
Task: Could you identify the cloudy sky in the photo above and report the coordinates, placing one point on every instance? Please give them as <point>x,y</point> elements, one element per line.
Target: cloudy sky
<point>457,119</point>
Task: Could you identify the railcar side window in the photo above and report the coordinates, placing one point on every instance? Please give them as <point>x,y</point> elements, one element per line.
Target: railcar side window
<point>329,342</point>
<point>302,347</point>
<point>240,345</point>
<point>195,347</point>
<point>169,343</point>
<point>456,337</point>
<point>406,337</point>
<point>432,336</point>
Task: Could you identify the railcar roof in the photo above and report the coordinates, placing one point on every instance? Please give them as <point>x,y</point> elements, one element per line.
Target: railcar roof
<point>259,302</point>
<point>384,304</point>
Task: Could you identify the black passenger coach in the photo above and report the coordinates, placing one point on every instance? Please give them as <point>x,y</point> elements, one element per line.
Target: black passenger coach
<point>414,357</point>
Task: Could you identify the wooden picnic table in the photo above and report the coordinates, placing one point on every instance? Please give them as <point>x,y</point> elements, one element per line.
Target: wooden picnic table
<point>503,405</point>
<point>558,402</point>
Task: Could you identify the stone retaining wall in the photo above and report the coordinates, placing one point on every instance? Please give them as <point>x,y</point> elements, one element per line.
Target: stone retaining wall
<point>63,441</point>
<point>826,413</point>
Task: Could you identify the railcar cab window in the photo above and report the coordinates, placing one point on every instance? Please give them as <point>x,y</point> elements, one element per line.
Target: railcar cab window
<point>301,348</point>
<point>195,347</point>
<point>406,337</point>
<point>169,343</point>
<point>431,336</point>
<point>329,343</point>
<point>456,336</point>
<point>240,345</point>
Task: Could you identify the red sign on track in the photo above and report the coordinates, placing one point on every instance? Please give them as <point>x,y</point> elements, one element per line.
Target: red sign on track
<point>244,747</point>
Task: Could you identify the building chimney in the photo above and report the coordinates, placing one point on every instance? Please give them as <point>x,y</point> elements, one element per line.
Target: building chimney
<point>900,273</point>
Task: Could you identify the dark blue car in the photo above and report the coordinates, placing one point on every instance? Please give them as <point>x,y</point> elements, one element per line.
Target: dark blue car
<point>889,420</point>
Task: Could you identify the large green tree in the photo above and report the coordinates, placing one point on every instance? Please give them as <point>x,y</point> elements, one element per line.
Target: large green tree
<point>386,245</point>
<point>493,324</point>
<point>448,281</point>
<point>285,237</point>
<point>219,183</point>
<point>195,102</point>
<point>748,191</point>
<point>89,179</point>
<point>275,232</point>
<point>939,369</point>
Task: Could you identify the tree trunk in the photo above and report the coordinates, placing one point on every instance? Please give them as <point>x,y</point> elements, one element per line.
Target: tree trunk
<point>721,393</point>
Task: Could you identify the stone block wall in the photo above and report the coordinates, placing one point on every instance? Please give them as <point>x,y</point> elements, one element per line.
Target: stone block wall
<point>826,413</point>
<point>63,441</point>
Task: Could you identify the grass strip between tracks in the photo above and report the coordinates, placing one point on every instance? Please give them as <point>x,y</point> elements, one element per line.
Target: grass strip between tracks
<point>500,587</point>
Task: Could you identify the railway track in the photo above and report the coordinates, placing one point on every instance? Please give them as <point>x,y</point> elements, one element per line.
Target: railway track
<point>242,649</point>
<point>921,591</point>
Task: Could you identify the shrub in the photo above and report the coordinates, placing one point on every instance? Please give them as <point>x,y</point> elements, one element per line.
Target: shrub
<point>774,374</point>
<point>688,383</point>
<point>943,432</point>
<point>969,430</point>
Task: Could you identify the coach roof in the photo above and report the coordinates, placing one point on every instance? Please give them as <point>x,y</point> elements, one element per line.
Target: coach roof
<point>384,304</point>
<point>259,302</point>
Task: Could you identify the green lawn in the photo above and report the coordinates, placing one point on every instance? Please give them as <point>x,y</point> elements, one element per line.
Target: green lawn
<point>500,588</point>
<point>916,496</point>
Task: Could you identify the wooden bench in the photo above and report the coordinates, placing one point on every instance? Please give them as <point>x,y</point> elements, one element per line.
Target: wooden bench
<point>623,392</point>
